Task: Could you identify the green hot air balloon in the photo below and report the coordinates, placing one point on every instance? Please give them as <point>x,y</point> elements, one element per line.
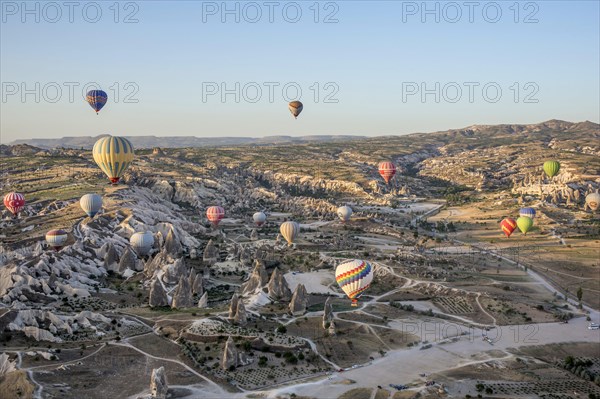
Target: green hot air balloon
<point>525,224</point>
<point>551,168</point>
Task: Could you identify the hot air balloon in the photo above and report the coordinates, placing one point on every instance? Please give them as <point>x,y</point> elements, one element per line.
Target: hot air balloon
<point>525,224</point>
<point>91,204</point>
<point>592,200</point>
<point>295,108</point>
<point>14,202</point>
<point>215,214</point>
<point>142,242</point>
<point>57,238</point>
<point>97,99</point>
<point>113,155</point>
<point>259,218</point>
<point>344,213</point>
<point>354,278</point>
<point>551,168</point>
<point>508,225</point>
<point>529,212</point>
<point>387,170</point>
<point>289,230</point>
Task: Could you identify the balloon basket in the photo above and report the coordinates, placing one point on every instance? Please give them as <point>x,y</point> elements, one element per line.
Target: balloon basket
<point>354,303</point>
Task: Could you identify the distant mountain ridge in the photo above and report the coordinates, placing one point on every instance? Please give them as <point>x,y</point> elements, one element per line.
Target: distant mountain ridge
<point>507,131</point>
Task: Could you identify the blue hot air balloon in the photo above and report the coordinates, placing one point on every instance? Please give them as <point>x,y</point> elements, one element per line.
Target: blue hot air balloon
<point>97,99</point>
<point>528,212</point>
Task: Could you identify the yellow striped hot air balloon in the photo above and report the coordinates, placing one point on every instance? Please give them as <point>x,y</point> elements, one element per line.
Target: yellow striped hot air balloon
<point>113,155</point>
<point>354,278</point>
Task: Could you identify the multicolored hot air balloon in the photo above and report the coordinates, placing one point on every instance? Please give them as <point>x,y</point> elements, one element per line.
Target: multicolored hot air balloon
<point>387,170</point>
<point>113,155</point>
<point>259,218</point>
<point>91,204</point>
<point>14,202</point>
<point>508,225</point>
<point>525,224</point>
<point>142,242</point>
<point>97,99</point>
<point>289,230</point>
<point>215,214</point>
<point>344,213</point>
<point>295,108</point>
<point>354,278</point>
<point>551,168</point>
<point>593,201</point>
<point>529,212</point>
<point>57,238</point>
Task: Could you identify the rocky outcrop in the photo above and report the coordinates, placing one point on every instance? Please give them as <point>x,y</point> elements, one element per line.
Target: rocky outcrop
<point>6,365</point>
<point>197,283</point>
<point>258,279</point>
<point>128,261</point>
<point>182,297</point>
<point>278,288</point>
<point>158,296</point>
<point>175,271</point>
<point>332,329</point>
<point>210,252</point>
<point>203,301</point>
<point>327,313</point>
<point>299,301</point>
<point>254,235</point>
<point>158,384</point>
<point>172,245</point>
<point>241,316</point>
<point>233,305</point>
<point>111,258</point>
<point>232,357</point>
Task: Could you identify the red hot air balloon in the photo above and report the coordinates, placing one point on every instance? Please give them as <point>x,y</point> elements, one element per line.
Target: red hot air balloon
<point>215,214</point>
<point>14,202</point>
<point>387,170</point>
<point>508,225</point>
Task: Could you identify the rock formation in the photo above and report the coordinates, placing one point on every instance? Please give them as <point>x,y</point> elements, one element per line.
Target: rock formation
<point>232,357</point>
<point>327,313</point>
<point>111,258</point>
<point>299,301</point>
<point>175,271</point>
<point>158,384</point>
<point>203,301</point>
<point>172,245</point>
<point>158,296</point>
<point>210,252</point>
<point>197,283</point>
<point>182,297</point>
<point>258,279</point>
<point>233,305</point>
<point>331,330</point>
<point>278,288</point>
<point>254,235</point>
<point>128,261</point>
<point>240,317</point>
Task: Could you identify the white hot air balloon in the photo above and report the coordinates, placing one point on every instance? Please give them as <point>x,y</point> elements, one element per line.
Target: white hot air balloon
<point>354,278</point>
<point>259,218</point>
<point>289,230</point>
<point>91,204</point>
<point>344,213</point>
<point>57,238</point>
<point>142,242</point>
<point>593,201</point>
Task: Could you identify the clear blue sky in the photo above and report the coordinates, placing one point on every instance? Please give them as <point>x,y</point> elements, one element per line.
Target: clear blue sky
<point>372,54</point>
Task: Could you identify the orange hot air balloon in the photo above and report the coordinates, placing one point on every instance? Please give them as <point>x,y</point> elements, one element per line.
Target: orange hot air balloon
<point>387,170</point>
<point>215,214</point>
<point>508,225</point>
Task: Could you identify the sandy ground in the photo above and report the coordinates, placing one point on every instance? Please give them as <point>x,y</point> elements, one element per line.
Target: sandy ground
<point>315,282</point>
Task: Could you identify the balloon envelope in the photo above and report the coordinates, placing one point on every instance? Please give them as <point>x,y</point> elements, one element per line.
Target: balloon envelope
<point>387,170</point>
<point>529,212</point>
<point>551,168</point>
<point>14,202</point>
<point>142,242</point>
<point>525,224</point>
<point>57,238</point>
<point>259,218</point>
<point>354,278</point>
<point>97,99</point>
<point>508,225</point>
<point>91,204</point>
<point>295,108</point>
<point>215,214</point>
<point>344,213</point>
<point>113,155</point>
<point>593,201</point>
<point>289,230</point>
